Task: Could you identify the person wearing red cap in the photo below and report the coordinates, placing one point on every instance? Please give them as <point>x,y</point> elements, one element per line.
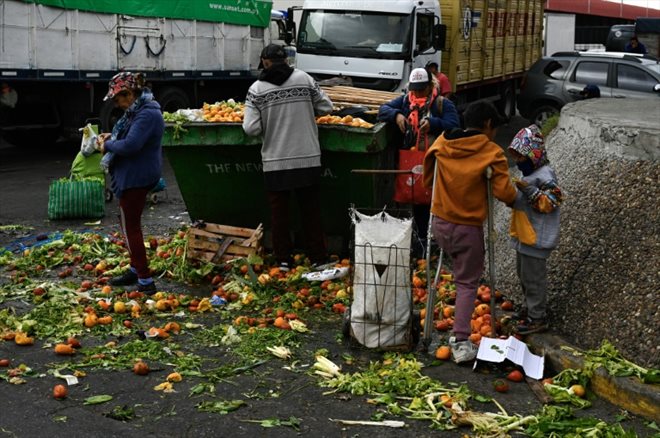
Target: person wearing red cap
<point>421,115</point>
<point>133,154</point>
<point>281,106</point>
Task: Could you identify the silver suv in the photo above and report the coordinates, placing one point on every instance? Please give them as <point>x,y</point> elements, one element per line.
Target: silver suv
<point>556,80</point>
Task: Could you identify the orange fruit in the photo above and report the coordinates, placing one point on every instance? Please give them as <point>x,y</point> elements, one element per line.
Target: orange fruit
<point>475,338</point>
<point>443,352</point>
<point>446,400</point>
<point>448,311</point>
<point>578,390</point>
<point>482,309</point>
<point>60,392</point>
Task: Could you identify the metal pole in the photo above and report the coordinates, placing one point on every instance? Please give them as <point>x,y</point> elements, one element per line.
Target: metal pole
<point>491,251</point>
<point>430,286</point>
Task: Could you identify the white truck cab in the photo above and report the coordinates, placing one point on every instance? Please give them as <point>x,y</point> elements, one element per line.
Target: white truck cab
<point>375,43</point>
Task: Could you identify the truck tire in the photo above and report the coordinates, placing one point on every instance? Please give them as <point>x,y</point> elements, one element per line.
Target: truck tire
<point>507,102</point>
<point>172,99</point>
<point>542,113</point>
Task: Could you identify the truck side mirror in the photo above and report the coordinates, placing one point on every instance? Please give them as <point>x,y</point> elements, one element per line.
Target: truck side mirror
<point>439,36</point>
<point>290,27</point>
<point>290,36</point>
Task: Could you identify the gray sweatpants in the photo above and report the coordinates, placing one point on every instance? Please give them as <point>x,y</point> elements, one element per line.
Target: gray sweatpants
<point>533,279</point>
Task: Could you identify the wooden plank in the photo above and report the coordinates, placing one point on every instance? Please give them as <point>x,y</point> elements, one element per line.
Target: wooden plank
<point>537,388</point>
<point>219,243</point>
<point>362,91</point>
<point>226,229</point>
<point>223,248</point>
<point>352,96</point>
<point>201,234</point>
<point>255,238</point>
<point>232,252</point>
<point>212,247</point>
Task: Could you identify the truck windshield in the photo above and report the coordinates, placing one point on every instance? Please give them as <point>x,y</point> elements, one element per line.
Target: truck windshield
<point>350,33</point>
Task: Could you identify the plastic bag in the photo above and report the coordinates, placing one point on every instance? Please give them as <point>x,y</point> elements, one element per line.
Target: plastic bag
<point>89,135</point>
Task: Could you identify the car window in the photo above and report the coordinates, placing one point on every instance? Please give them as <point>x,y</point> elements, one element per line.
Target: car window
<point>556,69</point>
<point>591,72</point>
<point>633,78</point>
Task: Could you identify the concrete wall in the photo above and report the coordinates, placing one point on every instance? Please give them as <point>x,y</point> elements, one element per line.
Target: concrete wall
<point>603,277</point>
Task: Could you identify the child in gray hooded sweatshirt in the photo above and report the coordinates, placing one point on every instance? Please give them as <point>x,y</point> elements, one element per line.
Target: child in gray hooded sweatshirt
<point>534,224</point>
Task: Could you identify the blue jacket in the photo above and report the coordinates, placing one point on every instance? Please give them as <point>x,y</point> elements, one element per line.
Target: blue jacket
<point>138,152</point>
<point>440,122</point>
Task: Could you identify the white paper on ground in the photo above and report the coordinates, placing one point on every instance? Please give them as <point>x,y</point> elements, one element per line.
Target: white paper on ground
<point>328,274</point>
<point>496,350</point>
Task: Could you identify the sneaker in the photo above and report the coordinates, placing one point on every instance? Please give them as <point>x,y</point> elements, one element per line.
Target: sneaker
<point>147,289</point>
<point>529,326</point>
<point>462,351</point>
<point>520,315</point>
<point>126,279</point>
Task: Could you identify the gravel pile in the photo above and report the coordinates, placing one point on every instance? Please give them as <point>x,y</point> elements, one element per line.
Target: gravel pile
<point>603,278</point>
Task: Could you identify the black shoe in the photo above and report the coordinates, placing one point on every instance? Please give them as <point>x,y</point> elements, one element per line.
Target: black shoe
<point>520,315</point>
<point>529,326</point>
<point>126,279</point>
<point>147,289</point>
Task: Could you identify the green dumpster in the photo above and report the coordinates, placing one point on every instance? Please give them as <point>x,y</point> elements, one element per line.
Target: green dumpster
<point>219,173</point>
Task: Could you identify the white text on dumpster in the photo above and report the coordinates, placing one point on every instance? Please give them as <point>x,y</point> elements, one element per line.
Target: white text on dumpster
<point>215,168</point>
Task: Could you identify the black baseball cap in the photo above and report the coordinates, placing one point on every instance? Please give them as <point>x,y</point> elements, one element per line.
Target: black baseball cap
<point>273,51</point>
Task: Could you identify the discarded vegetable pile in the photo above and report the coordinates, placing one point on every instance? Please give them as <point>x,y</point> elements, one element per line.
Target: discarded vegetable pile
<point>55,296</point>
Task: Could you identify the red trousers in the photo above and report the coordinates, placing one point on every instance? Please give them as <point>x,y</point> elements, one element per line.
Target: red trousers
<point>131,205</point>
<point>309,204</point>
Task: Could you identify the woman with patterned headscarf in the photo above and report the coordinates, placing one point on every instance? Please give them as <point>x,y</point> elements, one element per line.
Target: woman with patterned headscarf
<point>133,156</point>
<point>534,224</point>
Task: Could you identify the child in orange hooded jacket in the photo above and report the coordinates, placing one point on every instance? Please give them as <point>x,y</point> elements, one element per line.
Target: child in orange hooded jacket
<point>460,207</point>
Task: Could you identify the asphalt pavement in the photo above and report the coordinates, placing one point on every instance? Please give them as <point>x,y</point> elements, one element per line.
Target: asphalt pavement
<point>29,410</point>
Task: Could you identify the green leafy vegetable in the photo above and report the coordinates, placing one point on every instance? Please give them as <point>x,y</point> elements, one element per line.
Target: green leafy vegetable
<point>97,399</point>
<point>220,406</point>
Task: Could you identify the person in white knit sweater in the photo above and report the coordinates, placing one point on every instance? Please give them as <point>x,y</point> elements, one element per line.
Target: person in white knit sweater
<point>281,107</point>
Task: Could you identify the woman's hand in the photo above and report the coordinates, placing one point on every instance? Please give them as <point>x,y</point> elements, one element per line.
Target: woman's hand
<point>424,126</point>
<point>100,141</point>
<point>401,122</point>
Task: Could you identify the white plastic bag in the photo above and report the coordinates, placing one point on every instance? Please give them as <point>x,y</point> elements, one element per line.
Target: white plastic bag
<point>89,135</point>
<point>381,308</point>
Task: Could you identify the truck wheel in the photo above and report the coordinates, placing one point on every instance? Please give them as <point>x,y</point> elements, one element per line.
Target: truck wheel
<point>542,114</point>
<point>172,99</point>
<point>507,103</point>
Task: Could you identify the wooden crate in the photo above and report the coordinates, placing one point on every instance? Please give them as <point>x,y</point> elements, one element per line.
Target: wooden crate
<point>220,243</point>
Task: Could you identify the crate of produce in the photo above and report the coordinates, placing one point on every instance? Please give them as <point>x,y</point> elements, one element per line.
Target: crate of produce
<point>215,243</point>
